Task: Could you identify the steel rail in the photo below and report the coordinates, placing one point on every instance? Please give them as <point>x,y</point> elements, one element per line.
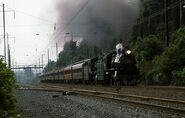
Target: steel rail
<point>134,96</point>
<point>117,100</point>
<point>171,101</point>
<point>168,88</point>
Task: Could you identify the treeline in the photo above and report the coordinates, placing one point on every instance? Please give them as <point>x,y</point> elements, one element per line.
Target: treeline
<point>27,76</point>
<point>74,53</point>
<point>158,62</point>
<point>152,18</point>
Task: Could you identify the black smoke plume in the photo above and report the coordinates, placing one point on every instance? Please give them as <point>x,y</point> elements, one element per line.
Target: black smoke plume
<point>96,21</point>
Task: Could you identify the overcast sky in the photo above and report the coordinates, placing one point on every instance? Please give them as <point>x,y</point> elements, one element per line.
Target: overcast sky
<point>33,24</point>
<point>31,17</point>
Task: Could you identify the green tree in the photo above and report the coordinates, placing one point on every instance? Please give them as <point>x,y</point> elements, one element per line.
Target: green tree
<point>166,66</point>
<point>170,65</point>
<point>145,50</point>
<point>73,53</point>
<point>7,86</point>
<point>155,25</point>
<point>50,66</point>
<point>179,77</point>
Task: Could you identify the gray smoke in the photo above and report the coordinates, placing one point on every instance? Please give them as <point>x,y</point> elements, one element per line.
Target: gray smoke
<point>96,20</point>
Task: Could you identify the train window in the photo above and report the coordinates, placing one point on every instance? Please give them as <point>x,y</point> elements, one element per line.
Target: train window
<point>67,72</point>
<point>77,70</point>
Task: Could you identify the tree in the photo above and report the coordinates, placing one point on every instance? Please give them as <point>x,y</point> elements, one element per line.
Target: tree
<point>170,65</point>
<point>145,50</point>
<point>73,53</point>
<point>165,67</point>
<point>155,25</point>
<point>50,66</point>
<point>7,86</point>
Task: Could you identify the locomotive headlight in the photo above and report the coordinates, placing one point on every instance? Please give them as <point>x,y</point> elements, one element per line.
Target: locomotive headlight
<point>128,52</point>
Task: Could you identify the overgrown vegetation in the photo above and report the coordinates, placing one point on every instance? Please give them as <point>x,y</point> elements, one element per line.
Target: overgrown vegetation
<point>161,64</point>
<point>7,86</point>
<point>145,51</point>
<point>158,63</point>
<point>171,63</point>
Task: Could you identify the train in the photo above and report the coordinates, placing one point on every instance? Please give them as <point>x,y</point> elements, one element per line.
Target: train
<point>118,67</point>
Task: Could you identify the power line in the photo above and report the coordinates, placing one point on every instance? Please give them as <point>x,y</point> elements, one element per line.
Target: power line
<point>39,18</point>
<point>173,5</point>
<point>28,25</point>
<point>38,25</point>
<point>78,12</point>
<point>72,19</point>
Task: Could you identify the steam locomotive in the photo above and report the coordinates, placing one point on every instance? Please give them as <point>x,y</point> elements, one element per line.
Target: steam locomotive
<point>115,68</point>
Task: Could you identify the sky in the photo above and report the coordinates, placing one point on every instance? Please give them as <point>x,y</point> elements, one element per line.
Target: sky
<point>32,27</point>
<point>34,21</point>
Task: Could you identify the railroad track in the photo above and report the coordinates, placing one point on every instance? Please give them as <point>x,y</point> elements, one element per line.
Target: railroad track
<point>165,88</point>
<point>123,95</point>
<point>176,106</point>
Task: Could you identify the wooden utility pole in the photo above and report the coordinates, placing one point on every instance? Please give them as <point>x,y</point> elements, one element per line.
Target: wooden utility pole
<point>39,65</point>
<point>4,34</point>
<point>48,59</point>
<point>42,61</point>
<point>166,22</point>
<point>9,55</point>
<point>141,27</point>
<point>48,56</point>
<point>56,51</point>
<point>149,22</point>
<point>181,12</point>
<point>13,63</point>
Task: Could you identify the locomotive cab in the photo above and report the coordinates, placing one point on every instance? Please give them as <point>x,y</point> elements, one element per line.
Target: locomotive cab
<point>124,66</point>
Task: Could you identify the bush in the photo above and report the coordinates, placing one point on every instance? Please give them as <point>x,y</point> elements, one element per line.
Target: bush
<point>162,79</point>
<point>179,77</point>
<point>145,50</point>
<point>158,65</point>
<point>7,86</point>
<point>172,61</point>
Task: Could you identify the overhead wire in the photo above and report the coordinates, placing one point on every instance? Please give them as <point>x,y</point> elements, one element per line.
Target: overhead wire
<point>77,13</point>
<point>28,14</point>
<point>39,18</point>
<point>86,3</point>
<point>173,5</point>
<point>73,18</point>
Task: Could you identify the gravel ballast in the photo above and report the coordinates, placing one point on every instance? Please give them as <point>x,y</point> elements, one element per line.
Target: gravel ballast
<point>38,104</point>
